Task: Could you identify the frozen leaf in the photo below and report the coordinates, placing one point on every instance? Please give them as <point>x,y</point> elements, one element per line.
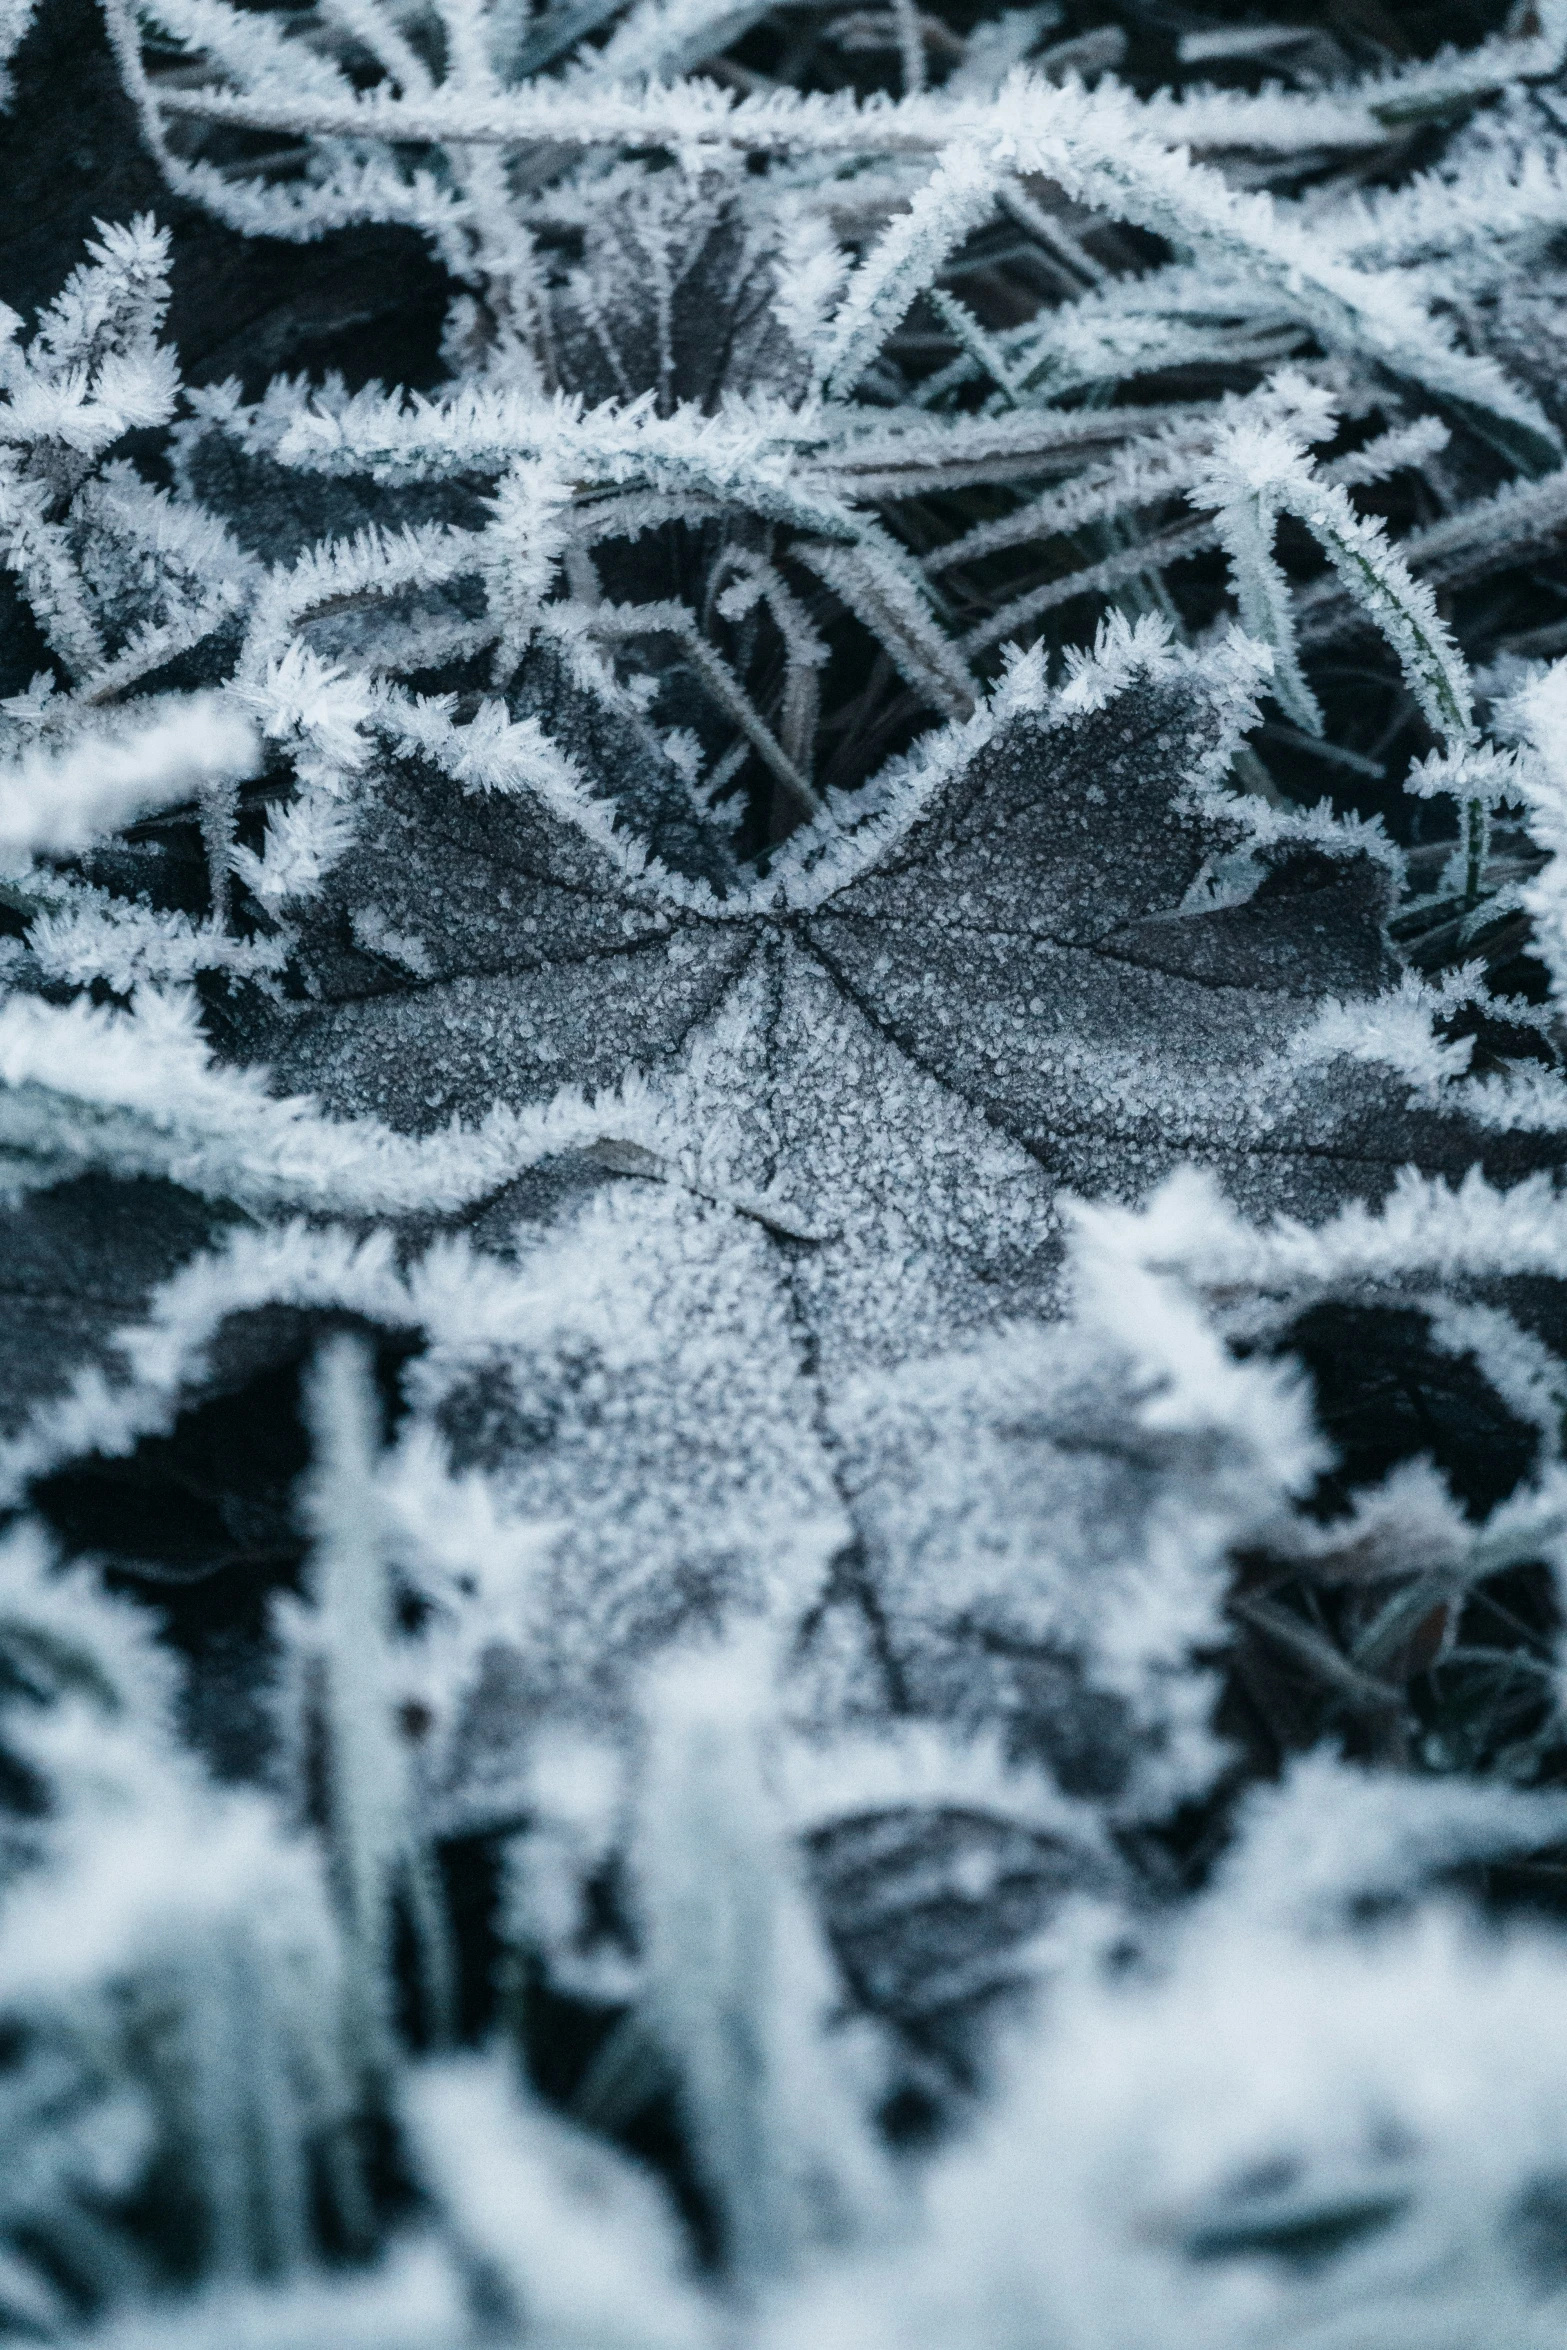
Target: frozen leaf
<point>1048,949</point>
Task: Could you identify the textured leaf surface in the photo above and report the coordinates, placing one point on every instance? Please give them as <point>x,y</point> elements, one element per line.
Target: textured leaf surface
<point>1009,975</point>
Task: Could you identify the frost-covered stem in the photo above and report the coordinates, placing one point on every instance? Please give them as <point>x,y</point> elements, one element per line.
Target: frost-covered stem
<point>1261,590</point>
<point>214,2030</point>
<point>433,1953</point>
<point>242,2105</point>
<point>150,649</point>
<point>520,553</point>
<point>37,551</point>
<point>55,800</point>
<point>120,22</point>
<point>363,1771</point>
<point>674,620</point>
<point>367,22</point>
<point>218,804</point>
<point>805,651</point>
<point>1057,240</point>
<point>367,1793</point>
<point>1402,606</point>
<point>1144,561</point>
<point>279,2155</point>
<point>1477,849</point>
<point>911,44</point>
<point>708,1896</point>
<point>1125,487</point>
<point>957,197</point>
<point>737,1985</point>
<point>335,575</point>
<point>966,330</point>
<point>1257,471</point>
<point>876,581</point>
<point>505,249</point>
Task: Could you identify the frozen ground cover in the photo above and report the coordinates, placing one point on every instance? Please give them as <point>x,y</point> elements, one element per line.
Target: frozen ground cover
<point>783,796</point>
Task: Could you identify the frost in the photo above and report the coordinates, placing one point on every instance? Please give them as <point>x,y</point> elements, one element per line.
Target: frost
<point>137,1092</point>
<point>737,1986</point>
<point>684,987</point>
<point>342,1698</point>
<point>168,1971</point>
<point>1331,1838</point>
<point>571,2236</point>
<point>1254,475</point>
<point>1261,2143</point>
<point>782,1399</point>
<point>953,202</point>
<point>52,806</point>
